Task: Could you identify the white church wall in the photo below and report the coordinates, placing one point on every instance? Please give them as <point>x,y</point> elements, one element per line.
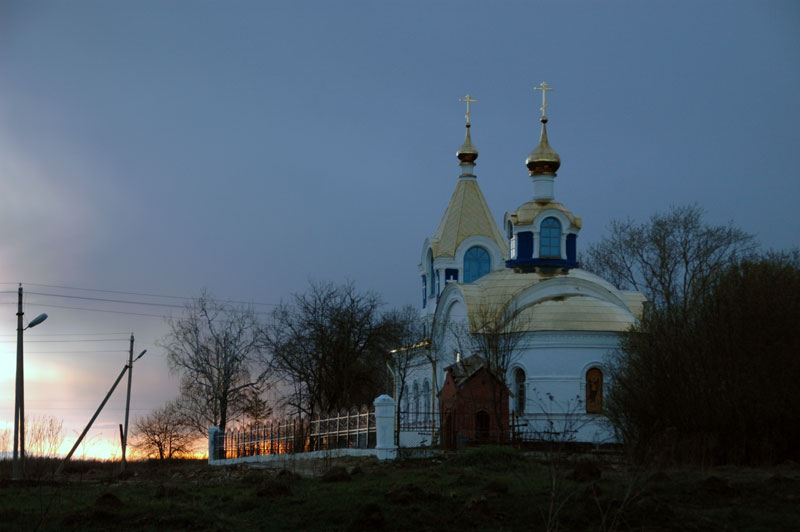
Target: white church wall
<point>555,366</point>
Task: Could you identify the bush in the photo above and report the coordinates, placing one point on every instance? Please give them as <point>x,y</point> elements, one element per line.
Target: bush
<point>716,382</point>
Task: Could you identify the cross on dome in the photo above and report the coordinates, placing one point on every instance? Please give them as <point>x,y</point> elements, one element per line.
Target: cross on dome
<point>544,87</point>
<point>469,100</point>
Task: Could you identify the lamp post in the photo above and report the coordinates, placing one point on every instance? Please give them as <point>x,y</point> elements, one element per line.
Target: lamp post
<point>19,398</point>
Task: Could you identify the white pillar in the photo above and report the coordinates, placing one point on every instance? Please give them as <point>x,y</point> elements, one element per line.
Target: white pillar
<point>384,428</point>
<point>213,440</point>
<point>543,187</point>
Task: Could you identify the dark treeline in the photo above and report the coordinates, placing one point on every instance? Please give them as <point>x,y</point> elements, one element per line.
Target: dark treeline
<point>709,375</point>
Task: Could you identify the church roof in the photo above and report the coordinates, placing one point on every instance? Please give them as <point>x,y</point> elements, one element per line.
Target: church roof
<point>527,212</point>
<point>573,301</point>
<point>467,368</point>
<point>466,215</point>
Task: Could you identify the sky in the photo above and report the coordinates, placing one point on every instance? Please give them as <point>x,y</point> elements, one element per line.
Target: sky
<point>150,150</point>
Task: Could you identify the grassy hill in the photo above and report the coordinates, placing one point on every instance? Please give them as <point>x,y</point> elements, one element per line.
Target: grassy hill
<point>489,489</point>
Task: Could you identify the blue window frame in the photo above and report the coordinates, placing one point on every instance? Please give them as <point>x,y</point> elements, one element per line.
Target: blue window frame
<point>477,263</point>
<point>550,238</point>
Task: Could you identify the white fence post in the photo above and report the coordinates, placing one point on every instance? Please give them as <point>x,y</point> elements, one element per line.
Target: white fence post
<point>384,428</point>
<point>212,443</point>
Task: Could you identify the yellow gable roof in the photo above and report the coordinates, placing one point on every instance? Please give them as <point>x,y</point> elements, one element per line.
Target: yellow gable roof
<point>466,215</point>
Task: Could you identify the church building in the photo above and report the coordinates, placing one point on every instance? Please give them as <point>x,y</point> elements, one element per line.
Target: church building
<point>518,299</point>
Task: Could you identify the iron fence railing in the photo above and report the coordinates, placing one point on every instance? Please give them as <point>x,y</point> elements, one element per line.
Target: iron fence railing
<point>347,429</point>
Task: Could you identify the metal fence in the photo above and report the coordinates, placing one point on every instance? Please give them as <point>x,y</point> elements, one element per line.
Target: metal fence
<point>417,420</point>
<point>353,429</point>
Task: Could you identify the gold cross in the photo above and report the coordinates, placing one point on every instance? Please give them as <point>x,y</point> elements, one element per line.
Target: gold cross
<point>544,87</point>
<point>469,101</point>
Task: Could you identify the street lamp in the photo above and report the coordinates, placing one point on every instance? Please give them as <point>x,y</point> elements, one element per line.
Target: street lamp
<point>19,399</point>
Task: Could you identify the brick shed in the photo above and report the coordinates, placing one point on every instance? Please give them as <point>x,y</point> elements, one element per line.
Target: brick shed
<point>473,404</point>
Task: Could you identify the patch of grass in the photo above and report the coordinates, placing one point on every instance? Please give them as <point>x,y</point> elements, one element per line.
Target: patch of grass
<point>489,457</point>
<point>479,489</point>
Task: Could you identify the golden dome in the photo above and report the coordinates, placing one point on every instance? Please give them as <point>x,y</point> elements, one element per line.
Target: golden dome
<point>467,153</point>
<point>543,159</point>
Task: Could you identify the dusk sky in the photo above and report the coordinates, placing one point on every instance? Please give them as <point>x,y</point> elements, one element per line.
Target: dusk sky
<point>247,147</point>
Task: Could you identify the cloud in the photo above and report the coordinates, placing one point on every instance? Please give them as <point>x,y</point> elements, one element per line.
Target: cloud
<point>47,219</point>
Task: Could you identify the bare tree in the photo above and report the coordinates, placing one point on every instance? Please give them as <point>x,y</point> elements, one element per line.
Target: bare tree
<point>255,409</point>
<point>495,335</point>
<point>44,435</point>
<point>163,433</point>
<point>730,359</point>
<point>668,257</point>
<point>219,351</point>
<point>5,442</point>
<point>408,332</point>
<point>330,345</point>
<point>411,351</point>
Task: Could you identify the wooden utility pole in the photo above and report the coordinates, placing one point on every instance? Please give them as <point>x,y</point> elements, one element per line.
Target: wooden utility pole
<point>19,399</point>
<point>127,407</point>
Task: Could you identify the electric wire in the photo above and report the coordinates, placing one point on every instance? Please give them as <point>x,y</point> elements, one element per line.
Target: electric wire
<point>65,341</point>
<point>76,351</point>
<point>36,335</point>
<point>143,294</point>
<point>49,305</point>
<point>108,300</point>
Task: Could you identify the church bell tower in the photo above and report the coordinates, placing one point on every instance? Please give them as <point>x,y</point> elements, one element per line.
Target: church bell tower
<point>542,233</point>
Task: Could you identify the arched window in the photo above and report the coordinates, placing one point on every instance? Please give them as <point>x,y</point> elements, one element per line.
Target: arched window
<point>416,402</point>
<point>594,391</point>
<point>426,401</point>
<point>550,238</point>
<point>476,264</point>
<point>519,391</point>
<point>432,275</point>
<point>512,241</point>
<point>404,413</point>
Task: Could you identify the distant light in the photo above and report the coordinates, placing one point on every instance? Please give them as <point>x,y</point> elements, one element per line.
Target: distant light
<point>140,355</point>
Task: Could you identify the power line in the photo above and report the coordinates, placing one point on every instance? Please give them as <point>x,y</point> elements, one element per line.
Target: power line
<point>160,316</point>
<point>144,294</point>
<point>35,335</point>
<point>65,341</point>
<point>79,351</point>
<point>108,300</point>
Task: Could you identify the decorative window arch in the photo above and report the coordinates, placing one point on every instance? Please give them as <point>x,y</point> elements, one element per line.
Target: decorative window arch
<point>594,391</point>
<point>550,238</point>
<point>477,263</point>
<point>519,391</point>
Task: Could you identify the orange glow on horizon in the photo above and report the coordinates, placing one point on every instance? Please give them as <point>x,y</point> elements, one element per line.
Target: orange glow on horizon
<point>101,448</point>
